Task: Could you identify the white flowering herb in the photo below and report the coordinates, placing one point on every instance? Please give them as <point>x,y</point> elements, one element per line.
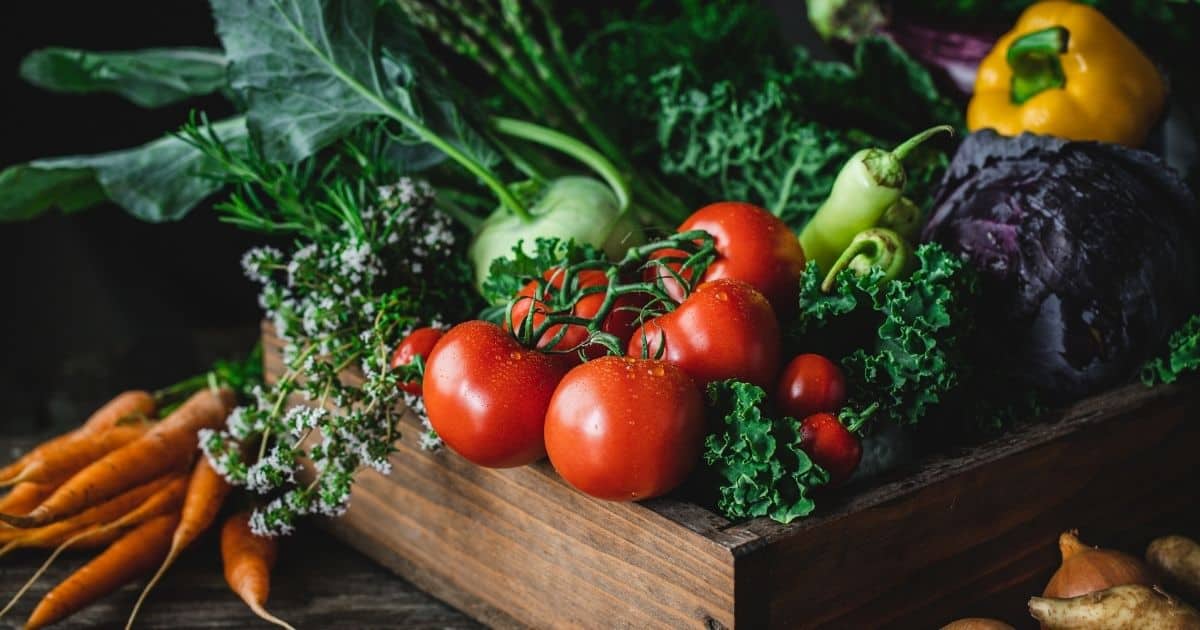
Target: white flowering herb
<point>369,261</point>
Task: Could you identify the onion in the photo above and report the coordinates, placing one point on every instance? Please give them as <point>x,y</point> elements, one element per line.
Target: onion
<point>977,623</point>
<point>1088,569</point>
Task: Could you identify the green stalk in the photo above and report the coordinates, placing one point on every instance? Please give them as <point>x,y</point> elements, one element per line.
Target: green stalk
<point>387,107</point>
<point>466,45</point>
<point>592,158</point>
<point>558,43</point>
<point>511,10</point>
<point>1033,58</point>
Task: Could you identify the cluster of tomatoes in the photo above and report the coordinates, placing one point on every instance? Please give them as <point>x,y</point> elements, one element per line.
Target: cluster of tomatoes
<point>632,427</point>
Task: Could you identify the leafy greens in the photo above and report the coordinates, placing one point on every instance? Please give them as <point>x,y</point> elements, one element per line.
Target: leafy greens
<point>1182,356</point>
<point>758,458</point>
<point>150,78</point>
<point>901,342</point>
<point>782,143</point>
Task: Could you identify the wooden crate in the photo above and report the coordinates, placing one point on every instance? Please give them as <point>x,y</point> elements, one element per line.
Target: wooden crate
<point>970,532</point>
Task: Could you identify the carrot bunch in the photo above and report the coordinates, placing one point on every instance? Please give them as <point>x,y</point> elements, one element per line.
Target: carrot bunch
<point>125,484</point>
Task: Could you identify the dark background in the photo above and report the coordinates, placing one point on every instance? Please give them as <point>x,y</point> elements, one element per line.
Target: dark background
<point>98,302</point>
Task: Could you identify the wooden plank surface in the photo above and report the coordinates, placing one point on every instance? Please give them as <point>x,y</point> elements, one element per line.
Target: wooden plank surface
<point>318,583</point>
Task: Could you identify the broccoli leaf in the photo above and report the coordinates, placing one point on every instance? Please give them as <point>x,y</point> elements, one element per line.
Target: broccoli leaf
<point>159,181</point>
<point>151,78</point>
<point>311,71</point>
<point>901,342</point>
<point>764,471</point>
<point>1182,356</point>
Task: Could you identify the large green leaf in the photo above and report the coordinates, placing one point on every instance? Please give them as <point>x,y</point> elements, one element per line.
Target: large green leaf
<point>312,70</point>
<point>159,181</point>
<point>150,78</point>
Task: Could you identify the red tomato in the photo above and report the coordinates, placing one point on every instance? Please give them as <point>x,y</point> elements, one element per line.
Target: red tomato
<point>725,329</point>
<point>619,322</point>
<point>810,384</point>
<point>486,396</point>
<point>625,429</point>
<point>753,246</point>
<point>418,343</point>
<point>829,444</point>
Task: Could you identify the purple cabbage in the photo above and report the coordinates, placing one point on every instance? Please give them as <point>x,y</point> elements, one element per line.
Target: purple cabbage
<point>1087,250</point>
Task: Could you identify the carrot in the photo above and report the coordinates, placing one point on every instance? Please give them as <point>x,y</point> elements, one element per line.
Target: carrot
<point>164,447</point>
<point>25,496</point>
<point>205,494</point>
<point>165,500</point>
<point>55,533</point>
<point>248,561</point>
<point>131,403</point>
<point>70,457</point>
<point>131,555</point>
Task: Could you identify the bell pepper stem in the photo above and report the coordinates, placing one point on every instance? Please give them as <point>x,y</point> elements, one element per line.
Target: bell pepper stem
<point>1033,58</point>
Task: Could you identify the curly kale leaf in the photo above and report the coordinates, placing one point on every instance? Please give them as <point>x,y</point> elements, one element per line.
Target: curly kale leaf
<point>507,275</point>
<point>763,470</point>
<point>1182,356</point>
<point>781,143</point>
<point>901,343</point>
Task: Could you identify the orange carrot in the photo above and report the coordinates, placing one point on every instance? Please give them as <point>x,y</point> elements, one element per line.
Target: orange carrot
<point>205,494</point>
<point>25,496</point>
<point>248,561</point>
<point>68,458</point>
<point>165,500</point>
<point>164,447</point>
<point>132,403</point>
<point>107,512</point>
<point>131,555</point>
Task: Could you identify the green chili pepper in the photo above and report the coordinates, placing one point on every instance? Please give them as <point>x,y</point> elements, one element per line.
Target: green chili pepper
<point>865,188</point>
<point>876,248</point>
<point>905,218</point>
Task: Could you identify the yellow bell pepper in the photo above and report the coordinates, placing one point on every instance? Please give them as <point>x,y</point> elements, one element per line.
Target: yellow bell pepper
<point>1065,70</point>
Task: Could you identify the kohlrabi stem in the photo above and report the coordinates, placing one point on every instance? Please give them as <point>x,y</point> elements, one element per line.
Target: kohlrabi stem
<point>559,141</point>
<point>421,131</point>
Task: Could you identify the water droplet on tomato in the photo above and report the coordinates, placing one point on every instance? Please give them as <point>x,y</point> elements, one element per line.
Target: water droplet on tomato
<point>721,296</point>
<point>516,355</point>
<point>656,370</point>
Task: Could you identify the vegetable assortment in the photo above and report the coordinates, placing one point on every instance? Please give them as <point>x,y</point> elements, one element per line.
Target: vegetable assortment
<point>488,216</point>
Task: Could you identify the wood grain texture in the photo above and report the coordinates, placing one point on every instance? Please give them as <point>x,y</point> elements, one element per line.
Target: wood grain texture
<point>967,531</point>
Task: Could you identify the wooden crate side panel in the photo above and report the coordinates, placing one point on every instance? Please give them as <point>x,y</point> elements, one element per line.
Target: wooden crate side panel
<point>987,527</point>
<point>518,546</point>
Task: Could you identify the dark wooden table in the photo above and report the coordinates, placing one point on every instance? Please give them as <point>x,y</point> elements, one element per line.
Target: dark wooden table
<point>317,583</point>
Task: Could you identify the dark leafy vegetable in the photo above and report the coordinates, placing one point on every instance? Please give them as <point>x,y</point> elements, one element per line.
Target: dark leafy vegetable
<point>159,181</point>
<point>763,470</point>
<point>781,144</point>
<point>150,78</point>
<point>1087,253</point>
<point>901,343</point>
<point>1182,356</point>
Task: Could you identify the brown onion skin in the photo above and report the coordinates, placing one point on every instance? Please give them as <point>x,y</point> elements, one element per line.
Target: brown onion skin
<point>1089,569</point>
<point>977,623</point>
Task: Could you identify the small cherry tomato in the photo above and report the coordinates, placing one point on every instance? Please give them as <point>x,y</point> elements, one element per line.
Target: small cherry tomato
<point>831,445</point>
<point>486,395</point>
<point>625,429</point>
<point>810,384</point>
<point>418,343</point>
<point>619,322</point>
<point>725,329</point>
<point>753,246</point>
